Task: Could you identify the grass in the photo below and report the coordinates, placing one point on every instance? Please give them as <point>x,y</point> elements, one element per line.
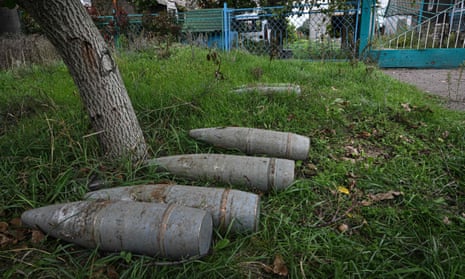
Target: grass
<point>324,49</point>
<point>369,135</point>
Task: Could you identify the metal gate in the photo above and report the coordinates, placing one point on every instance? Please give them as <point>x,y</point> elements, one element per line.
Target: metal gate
<point>418,34</point>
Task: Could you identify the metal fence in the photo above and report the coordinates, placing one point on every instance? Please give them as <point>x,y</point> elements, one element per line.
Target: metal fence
<point>302,32</point>
<point>422,25</point>
<point>113,28</point>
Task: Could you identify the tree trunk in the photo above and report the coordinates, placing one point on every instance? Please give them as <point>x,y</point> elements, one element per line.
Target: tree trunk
<point>9,21</point>
<point>94,70</point>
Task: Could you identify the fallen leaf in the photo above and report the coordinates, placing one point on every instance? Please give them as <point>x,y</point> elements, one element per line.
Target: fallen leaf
<point>385,196</point>
<point>3,227</point>
<point>279,267</point>
<point>381,197</point>
<point>342,189</point>
<point>311,169</point>
<point>406,107</point>
<point>352,151</point>
<point>111,272</point>
<point>312,166</point>
<point>405,139</point>
<point>5,240</point>
<point>340,103</point>
<point>84,171</point>
<point>19,234</point>
<point>37,236</point>
<point>364,135</point>
<point>366,203</point>
<point>16,222</point>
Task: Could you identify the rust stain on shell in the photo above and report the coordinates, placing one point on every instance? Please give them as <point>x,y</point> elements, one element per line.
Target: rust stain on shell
<point>83,220</point>
<point>224,208</point>
<point>271,173</point>
<point>288,145</point>
<point>158,194</point>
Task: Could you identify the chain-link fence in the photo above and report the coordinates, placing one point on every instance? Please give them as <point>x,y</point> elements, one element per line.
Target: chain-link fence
<point>121,29</point>
<point>302,32</point>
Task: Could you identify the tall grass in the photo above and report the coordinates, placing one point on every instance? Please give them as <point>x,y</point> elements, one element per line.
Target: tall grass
<point>369,135</point>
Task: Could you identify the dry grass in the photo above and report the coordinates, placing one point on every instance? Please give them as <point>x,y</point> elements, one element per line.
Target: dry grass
<point>20,50</point>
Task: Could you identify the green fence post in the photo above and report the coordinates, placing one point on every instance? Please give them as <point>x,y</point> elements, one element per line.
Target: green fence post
<point>366,26</point>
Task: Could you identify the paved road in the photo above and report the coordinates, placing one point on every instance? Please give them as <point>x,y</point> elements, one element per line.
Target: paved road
<point>449,84</point>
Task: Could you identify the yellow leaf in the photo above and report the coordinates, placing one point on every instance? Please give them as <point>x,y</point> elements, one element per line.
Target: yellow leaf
<point>344,190</point>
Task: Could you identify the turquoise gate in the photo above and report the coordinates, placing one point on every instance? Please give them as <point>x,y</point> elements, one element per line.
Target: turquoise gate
<point>416,34</point>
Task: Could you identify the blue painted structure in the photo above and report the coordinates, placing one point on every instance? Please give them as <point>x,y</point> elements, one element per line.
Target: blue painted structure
<point>421,58</point>
<point>440,58</point>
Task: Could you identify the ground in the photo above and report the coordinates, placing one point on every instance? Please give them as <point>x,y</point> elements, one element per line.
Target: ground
<point>448,84</point>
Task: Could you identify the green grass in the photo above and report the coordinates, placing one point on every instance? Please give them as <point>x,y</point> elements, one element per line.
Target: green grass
<point>327,49</point>
<point>405,141</point>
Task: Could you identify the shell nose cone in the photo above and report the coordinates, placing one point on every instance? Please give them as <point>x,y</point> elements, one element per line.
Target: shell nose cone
<point>196,133</point>
<point>38,217</point>
<point>29,217</point>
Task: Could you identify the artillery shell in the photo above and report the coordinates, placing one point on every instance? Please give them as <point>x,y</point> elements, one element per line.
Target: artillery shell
<point>231,209</point>
<point>264,174</point>
<point>153,229</point>
<point>256,141</point>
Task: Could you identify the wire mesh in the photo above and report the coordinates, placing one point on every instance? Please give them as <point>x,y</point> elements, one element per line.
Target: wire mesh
<point>113,27</point>
<point>301,32</point>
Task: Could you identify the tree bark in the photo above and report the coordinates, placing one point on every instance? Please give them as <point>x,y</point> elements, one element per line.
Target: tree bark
<point>94,70</point>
